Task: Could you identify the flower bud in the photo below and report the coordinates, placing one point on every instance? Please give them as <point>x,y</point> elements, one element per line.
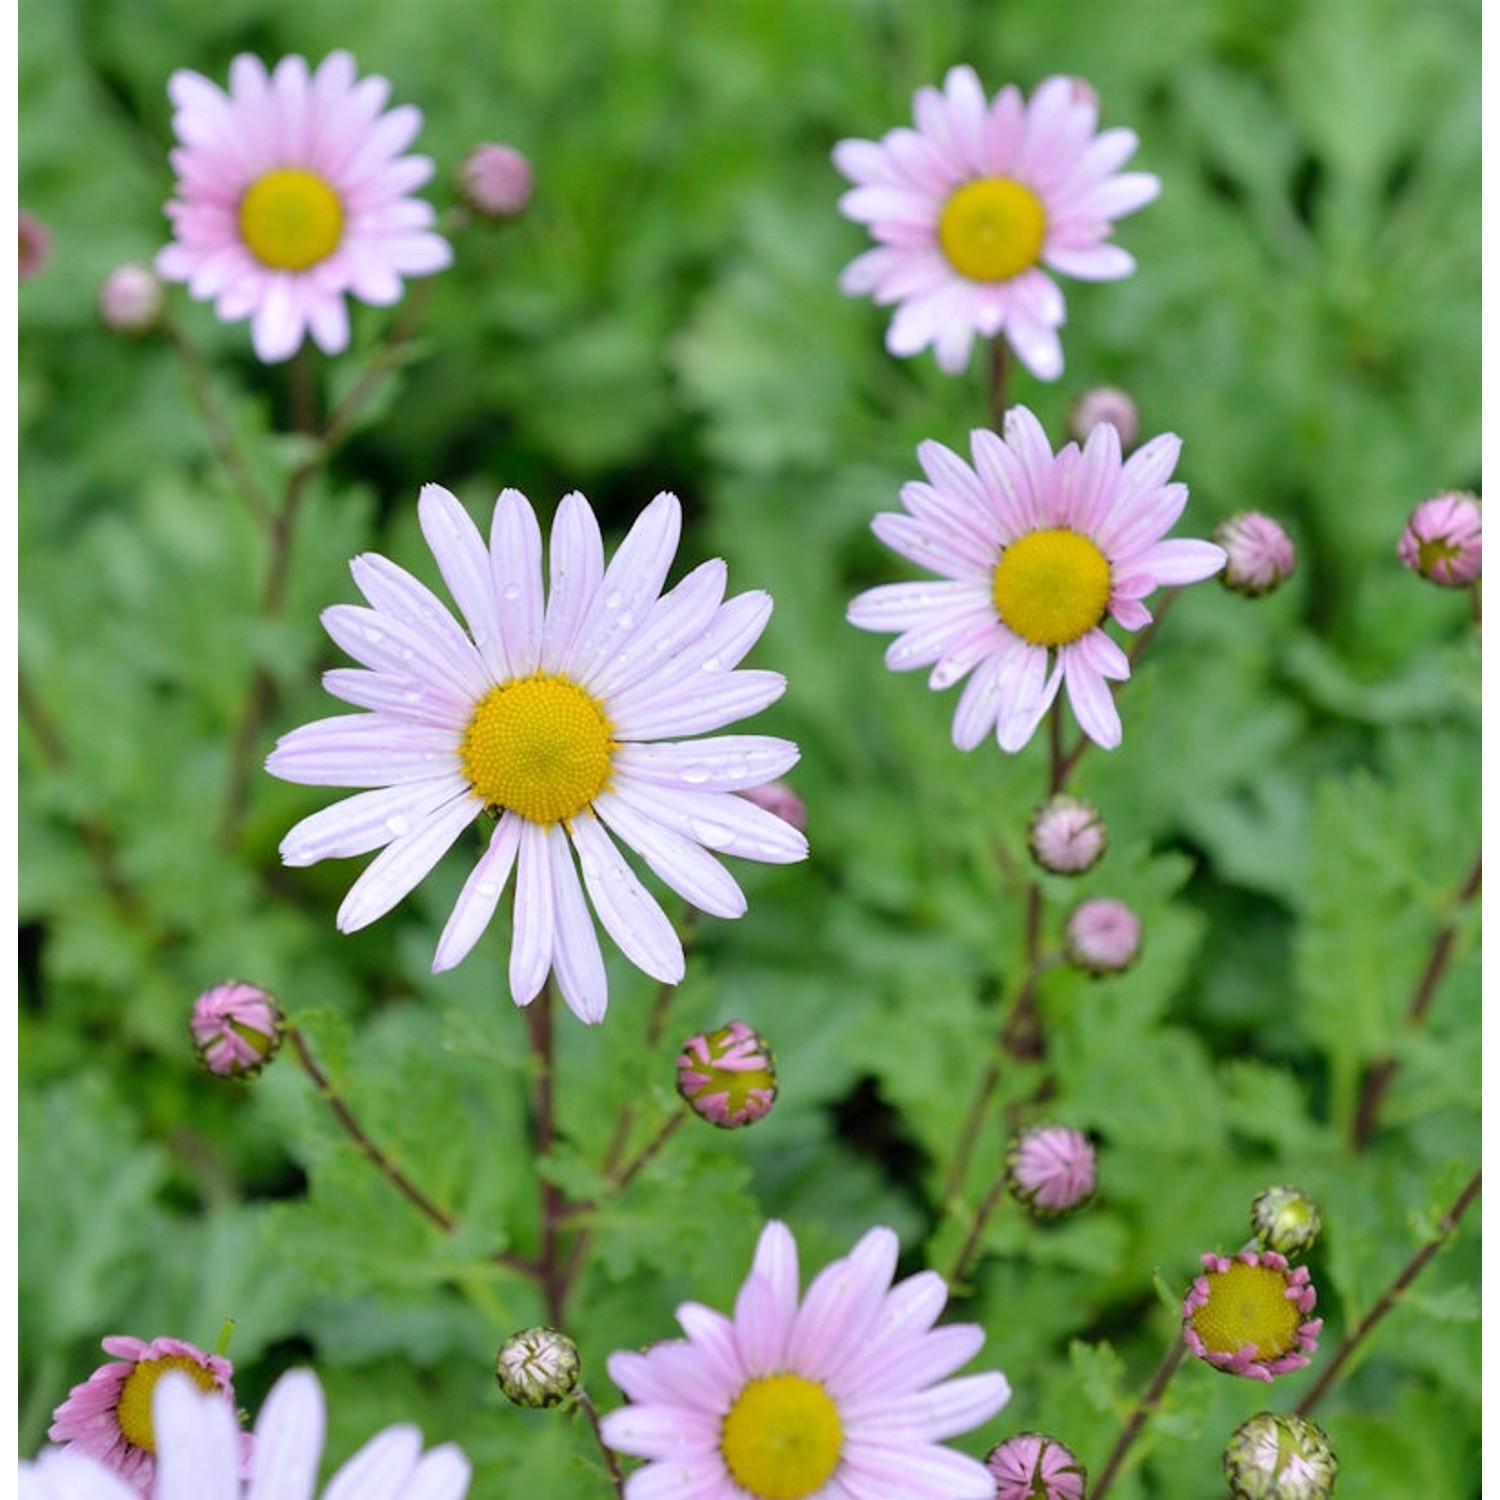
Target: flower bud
<point>538,1367</point>
<point>495,181</point>
<point>1067,835</point>
<point>778,798</point>
<point>727,1077</point>
<point>1247,1315</point>
<point>1032,1466</point>
<point>236,1029</point>
<point>132,299</point>
<point>1103,936</point>
<point>1051,1169</point>
<point>1279,1456</point>
<point>1442,540</point>
<point>35,245</point>
<point>1260,554</point>
<point>1105,403</point>
<point>1286,1220</point>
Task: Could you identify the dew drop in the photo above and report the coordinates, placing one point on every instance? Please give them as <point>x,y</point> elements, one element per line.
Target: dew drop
<point>397,823</point>
<point>511,592</point>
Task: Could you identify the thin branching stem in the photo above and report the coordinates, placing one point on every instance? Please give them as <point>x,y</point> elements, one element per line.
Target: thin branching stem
<point>586,1406</point>
<point>1139,1416</point>
<point>553,1272</point>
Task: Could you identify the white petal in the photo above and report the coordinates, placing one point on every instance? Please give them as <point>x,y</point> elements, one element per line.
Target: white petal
<point>379,1470</point>
<point>197,1441</point>
<point>722,763</point>
<point>516,568</point>
<point>363,750</point>
<point>367,820</point>
<point>576,959</point>
<point>480,896</point>
<point>719,821</point>
<point>403,864</point>
<point>464,562</point>
<point>576,562</point>
<point>681,863</point>
<point>677,618</point>
<point>631,915</point>
<point>289,1439</point>
<point>532,941</point>
<point>699,707</point>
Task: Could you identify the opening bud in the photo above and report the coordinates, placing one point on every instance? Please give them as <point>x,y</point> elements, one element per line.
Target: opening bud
<point>1067,835</point>
<point>538,1367</point>
<point>1443,538</point>
<point>1103,936</point>
<point>728,1076</point>
<point>1033,1466</point>
<point>237,1029</point>
<point>1286,1220</point>
<point>1051,1169</point>
<point>1261,555</point>
<point>1105,403</point>
<point>495,181</point>
<point>1248,1315</point>
<point>132,300</point>
<point>1279,1456</point>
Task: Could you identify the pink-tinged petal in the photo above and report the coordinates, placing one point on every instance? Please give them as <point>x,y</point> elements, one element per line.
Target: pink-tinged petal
<point>676,619</point>
<point>533,940</point>
<point>1118,196</point>
<point>399,597</point>
<point>965,652</point>
<point>328,322</point>
<point>480,896</point>
<point>1036,345</point>
<point>275,326</point>
<point>1130,614</point>
<point>711,1335</point>
<point>979,704</point>
<point>197,1442</point>
<point>404,863</point>
<point>901,606</point>
<point>576,565</point>
<point>724,763</point>
<point>464,561</point>
<point>368,820</point>
<point>842,1304</point>
<point>866,273</point>
<point>401,697</point>
<point>363,750</point>
<point>720,699</point>
<point>379,1470</point>
<point>721,648</point>
<point>659,1431</point>
<point>67,1474</point>
<point>1181,560</point>
<point>954,1407</point>
<point>1018,502</point>
<point>1140,520</point>
<point>776,1262</point>
<point>679,1479</point>
<point>925,1472</point>
<point>1093,703</point>
<point>630,914</point>
<point>862,161</point>
<point>443,1474</point>
<point>679,862</point>
<point>761,1326</point>
<point>576,959</point>
<point>938,548</point>
<point>718,820</point>
<point>1102,655</point>
<point>895,1364</point>
<point>1029,695</point>
<point>1091,262</point>
<point>288,1439</point>
<point>920,168</point>
<point>516,573</point>
<point>924,644</point>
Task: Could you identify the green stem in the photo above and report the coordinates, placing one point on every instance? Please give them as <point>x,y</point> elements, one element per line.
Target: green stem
<point>1138,1417</point>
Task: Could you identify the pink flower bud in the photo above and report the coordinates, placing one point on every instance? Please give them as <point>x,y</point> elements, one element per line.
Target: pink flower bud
<point>1442,540</point>
<point>1105,403</point>
<point>1261,555</point>
<point>1067,835</point>
<point>496,181</point>
<point>727,1077</point>
<point>236,1029</point>
<point>132,299</point>
<point>1103,936</point>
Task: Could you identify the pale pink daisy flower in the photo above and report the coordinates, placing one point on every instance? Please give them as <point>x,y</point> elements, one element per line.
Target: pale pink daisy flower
<point>292,193</point>
<point>563,715</point>
<point>842,1394</point>
<point>971,205</point>
<point>108,1417</point>
<point>202,1454</point>
<point>1036,551</point>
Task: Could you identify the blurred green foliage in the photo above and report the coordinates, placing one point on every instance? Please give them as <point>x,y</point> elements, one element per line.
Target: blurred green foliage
<point>1292,811</point>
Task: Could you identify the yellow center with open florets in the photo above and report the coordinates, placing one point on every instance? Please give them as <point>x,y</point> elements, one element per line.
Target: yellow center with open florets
<point>134,1408</point>
<point>992,229</point>
<point>782,1438</point>
<point>1248,1305</point>
<point>291,219</point>
<point>1052,587</point>
<point>540,746</point>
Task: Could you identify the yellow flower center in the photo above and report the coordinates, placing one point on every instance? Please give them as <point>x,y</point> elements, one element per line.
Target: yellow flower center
<point>134,1409</point>
<point>992,229</point>
<point>1248,1305</point>
<point>782,1438</point>
<point>291,219</point>
<point>1052,587</point>
<point>539,746</point>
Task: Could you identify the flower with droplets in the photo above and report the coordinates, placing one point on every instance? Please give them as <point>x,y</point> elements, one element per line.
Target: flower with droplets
<point>1067,835</point>
<point>842,1392</point>
<point>109,1416</point>
<point>537,1367</point>
<point>1280,1456</point>
<point>237,1029</point>
<point>1444,540</point>
<point>1260,555</point>
<point>565,717</point>
<point>201,1453</point>
<point>1248,1315</point>
<point>1036,552</point>
<point>728,1076</point>
<point>1286,1220</point>
<point>1051,1169</point>
<point>1102,936</point>
<point>973,208</point>
<point>293,193</point>
<point>1033,1466</point>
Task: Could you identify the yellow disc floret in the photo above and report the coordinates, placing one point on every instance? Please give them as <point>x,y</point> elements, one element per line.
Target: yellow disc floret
<point>1052,587</point>
<point>291,219</point>
<point>782,1438</point>
<point>134,1409</point>
<point>992,229</point>
<point>1248,1305</point>
<point>539,746</point>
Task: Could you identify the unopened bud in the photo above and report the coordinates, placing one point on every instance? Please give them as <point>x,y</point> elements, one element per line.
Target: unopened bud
<point>1105,403</point>
<point>1103,936</point>
<point>1443,538</point>
<point>1286,1220</point>
<point>132,299</point>
<point>1260,554</point>
<point>538,1367</point>
<point>728,1076</point>
<point>1067,835</point>
<point>1033,1466</point>
<point>1280,1456</point>
<point>236,1029</point>
<point>495,181</point>
<point>1051,1169</point>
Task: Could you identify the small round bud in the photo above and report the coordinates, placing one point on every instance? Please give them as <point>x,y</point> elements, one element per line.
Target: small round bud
<point>35,243</point>
<point>778,798</point>
<point>727,1077</point>
<point>1051,1169</point>
<point>1286,1220</point>
<point>1103,936</point>
<point>1032,1466</point>
<point>1105,403</point>
<point>495,181</point>
<point>1442,540</point>
<point>132,299</point>
<point>1279,1456</point>
<point>1261,555</point>
<point>538,1367</point>
<point>236,1029</point>
<point>1067,835</point>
